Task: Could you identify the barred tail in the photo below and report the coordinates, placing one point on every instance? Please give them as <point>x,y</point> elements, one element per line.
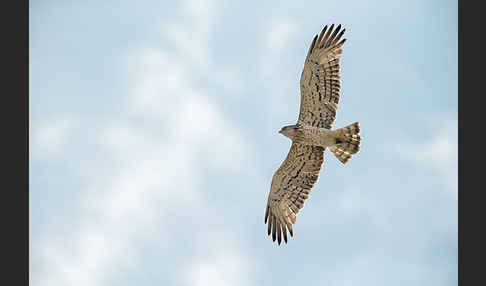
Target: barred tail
<point>347,143</point>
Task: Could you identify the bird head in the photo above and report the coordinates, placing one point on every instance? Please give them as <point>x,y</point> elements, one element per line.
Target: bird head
<point>289,130</point>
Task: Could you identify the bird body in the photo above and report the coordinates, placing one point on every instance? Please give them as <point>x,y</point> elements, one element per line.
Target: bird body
<point>316,136</point>
<point>320,92</point>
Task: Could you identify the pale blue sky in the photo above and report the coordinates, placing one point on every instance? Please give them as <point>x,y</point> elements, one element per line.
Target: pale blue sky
<point>153,141</point>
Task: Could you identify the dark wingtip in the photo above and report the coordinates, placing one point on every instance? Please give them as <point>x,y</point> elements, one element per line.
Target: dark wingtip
<point>340,35</point>
<point>324,30</point>
<point>313,45</point>
<point>291,231</point>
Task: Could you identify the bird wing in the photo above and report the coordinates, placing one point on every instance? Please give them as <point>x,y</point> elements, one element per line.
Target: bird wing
<point>291,186</point>
<point>320,79</point>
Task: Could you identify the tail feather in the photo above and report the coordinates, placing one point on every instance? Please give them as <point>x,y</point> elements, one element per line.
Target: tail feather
<point>347,143</point>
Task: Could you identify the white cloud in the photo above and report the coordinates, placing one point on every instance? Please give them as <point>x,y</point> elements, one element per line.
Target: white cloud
<point>192,36</point>
<point>166,92</point>
<point>276,40</point>
<point>437,154</point>
<point>201,125</point>
<point>352,200</point>
<point>81,258</point>
<point>118,211</point>
<point>124,138</point>
<point>50,137</point>
<point>227,263</point>
<point>278,36</point>
<point>221,269</point>
<point>157,169</point>
<point>374,266</point>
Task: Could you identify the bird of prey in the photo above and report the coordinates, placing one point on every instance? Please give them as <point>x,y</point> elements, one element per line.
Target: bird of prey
<point>319,89</point>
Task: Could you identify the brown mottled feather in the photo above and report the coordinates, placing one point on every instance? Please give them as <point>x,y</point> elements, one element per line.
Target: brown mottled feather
<point>291,186</point>
<point>320,91</point>
<point>350,145</point>
<point>320,80</point>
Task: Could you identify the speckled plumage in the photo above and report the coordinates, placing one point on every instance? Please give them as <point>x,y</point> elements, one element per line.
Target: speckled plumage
<point>320,92</point>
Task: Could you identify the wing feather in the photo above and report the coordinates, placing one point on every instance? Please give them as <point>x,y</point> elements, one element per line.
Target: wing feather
<point>291,187</point>
<point>321,34</point>
<point>312,46</point>
<point>274,228</point>
<point>284,231</point>
<point>331,39</point>
<point>269,224</point>
<point>324,41</point>
<point>320,80</point>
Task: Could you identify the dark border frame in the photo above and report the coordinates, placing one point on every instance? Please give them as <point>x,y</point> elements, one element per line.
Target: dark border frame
<point>470,168</point>
<point>15,120</point>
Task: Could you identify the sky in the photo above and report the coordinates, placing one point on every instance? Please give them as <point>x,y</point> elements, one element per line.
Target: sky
<point>154,138</point>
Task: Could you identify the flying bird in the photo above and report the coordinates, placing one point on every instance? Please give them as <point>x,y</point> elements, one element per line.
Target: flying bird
<point>320,91</point>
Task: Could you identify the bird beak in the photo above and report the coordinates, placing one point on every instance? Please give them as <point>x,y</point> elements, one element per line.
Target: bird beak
<point>280,131</point>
